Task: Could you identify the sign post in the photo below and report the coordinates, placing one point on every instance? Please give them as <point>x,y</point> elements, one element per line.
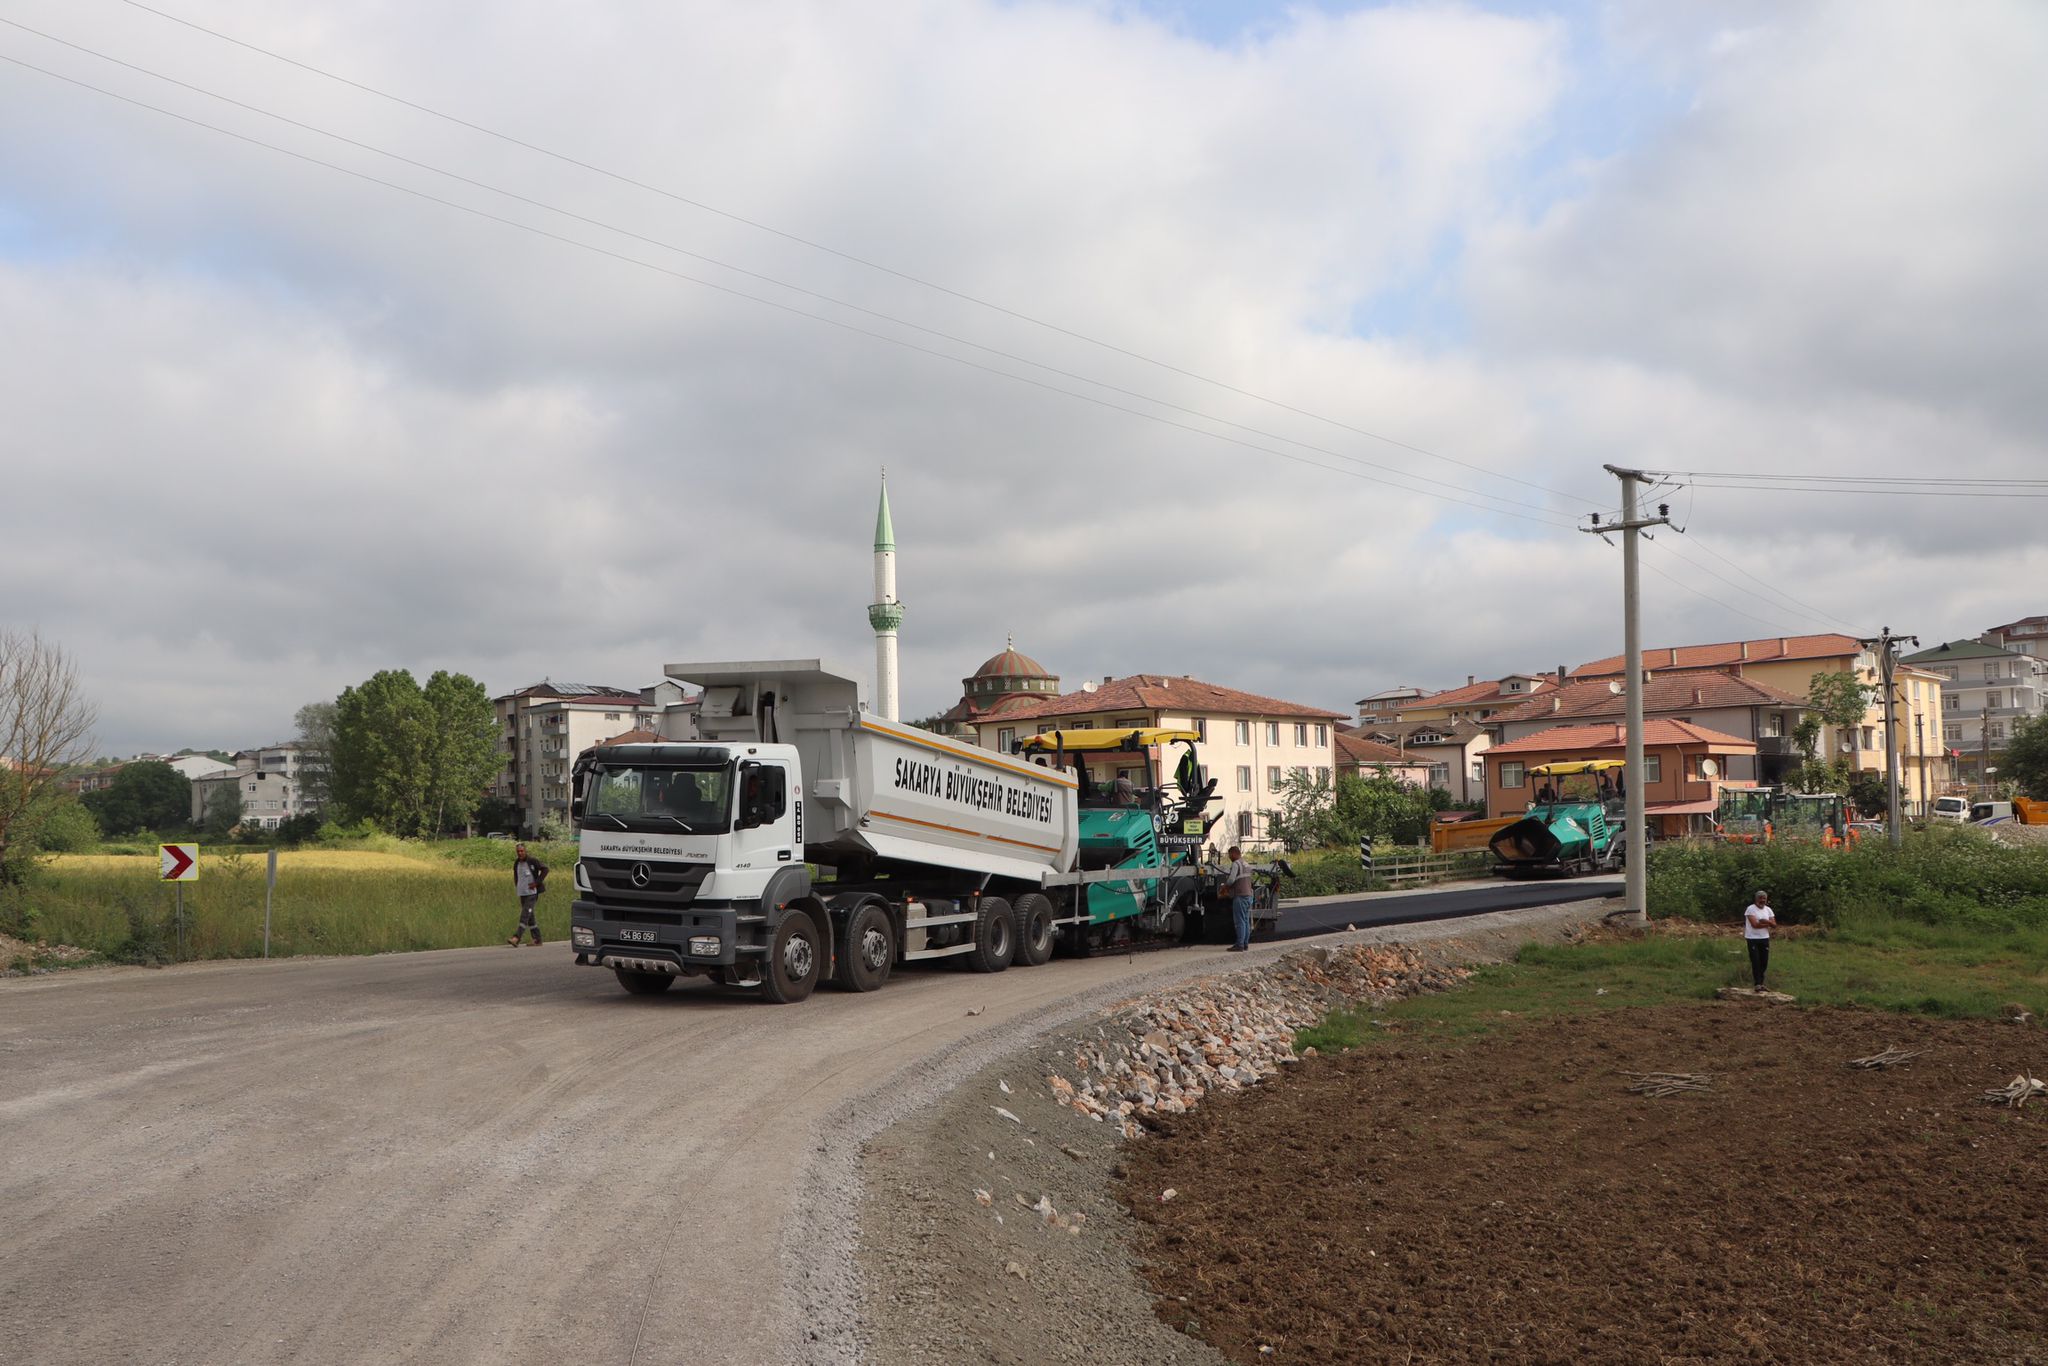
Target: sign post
<point>269,889</point>
<point>178,864</point>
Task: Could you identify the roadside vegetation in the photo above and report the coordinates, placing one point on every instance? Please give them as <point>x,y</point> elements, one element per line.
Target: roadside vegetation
<point>1950,925</point>
<point>356,894</point>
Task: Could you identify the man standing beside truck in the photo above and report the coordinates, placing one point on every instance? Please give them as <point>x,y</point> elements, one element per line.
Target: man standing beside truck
<point>1240,882</point>
<point>529,880</point>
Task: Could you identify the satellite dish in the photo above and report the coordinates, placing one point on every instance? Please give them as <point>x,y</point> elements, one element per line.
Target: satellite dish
<point>1614,686</point>
<point>1709,768</point>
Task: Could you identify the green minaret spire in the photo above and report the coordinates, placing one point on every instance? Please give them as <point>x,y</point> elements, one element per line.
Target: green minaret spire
<point>885,531</point>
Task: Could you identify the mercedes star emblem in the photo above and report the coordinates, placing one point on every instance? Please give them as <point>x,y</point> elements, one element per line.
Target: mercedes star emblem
<point>642,875</point>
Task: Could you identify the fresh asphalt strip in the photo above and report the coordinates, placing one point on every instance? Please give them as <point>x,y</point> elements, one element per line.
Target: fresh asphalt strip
<point>1408,908</point>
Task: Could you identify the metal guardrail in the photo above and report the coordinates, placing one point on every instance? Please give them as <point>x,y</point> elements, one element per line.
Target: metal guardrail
<point>1408,865</point>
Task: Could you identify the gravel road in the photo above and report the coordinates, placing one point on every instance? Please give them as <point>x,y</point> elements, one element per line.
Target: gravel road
<point>470,1155</point>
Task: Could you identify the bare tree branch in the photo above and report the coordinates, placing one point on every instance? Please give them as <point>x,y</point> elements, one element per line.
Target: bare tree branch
<point>46,724</point>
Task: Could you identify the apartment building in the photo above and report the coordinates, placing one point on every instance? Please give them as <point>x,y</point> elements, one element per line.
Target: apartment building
<point>1986,690</point>
<point>269,781</point>
<point>2027,636</point>
<point>542,730</point>
<point>1249,743</point>
<point>1723,703</point>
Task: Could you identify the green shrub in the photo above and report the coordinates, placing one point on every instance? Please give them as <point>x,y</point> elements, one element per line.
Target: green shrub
<point>1944,875</point>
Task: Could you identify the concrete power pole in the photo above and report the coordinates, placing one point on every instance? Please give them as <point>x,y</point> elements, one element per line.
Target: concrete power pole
<point>1887,646</point>
<point>1635,830</point>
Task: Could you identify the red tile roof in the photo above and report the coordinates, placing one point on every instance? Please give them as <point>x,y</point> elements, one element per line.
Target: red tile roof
<point>1356,749</point>
<point>1162,692</point>
<point>635,737</point>
<point>1473,694</point>
<point>1662,731</point>
<point>1664,693</point>
<point>1775,649</point>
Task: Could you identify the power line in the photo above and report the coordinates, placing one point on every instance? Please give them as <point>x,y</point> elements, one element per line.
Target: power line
<point>1710,572</point>
<point>772,303</point>
<point>1852,478</point>
<point>850,257</point>
<point>752,274</point>
<point>1871,492</point>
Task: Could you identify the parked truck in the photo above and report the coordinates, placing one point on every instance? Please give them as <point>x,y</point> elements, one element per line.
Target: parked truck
<point>797,839</point>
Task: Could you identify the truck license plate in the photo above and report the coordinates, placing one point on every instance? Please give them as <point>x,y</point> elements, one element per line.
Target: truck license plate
<point>637,936</point>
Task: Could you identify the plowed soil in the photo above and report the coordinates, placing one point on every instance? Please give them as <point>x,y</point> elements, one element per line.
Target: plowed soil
<point>1507,1199</point>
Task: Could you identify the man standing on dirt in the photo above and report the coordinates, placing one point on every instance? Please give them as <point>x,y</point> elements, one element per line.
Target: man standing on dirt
<point>529,880</point>
<point>1757,920</point>
<point>1240,881</point>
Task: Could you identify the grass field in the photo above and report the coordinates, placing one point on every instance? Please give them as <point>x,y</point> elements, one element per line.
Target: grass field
<point>1873,960</point>
<point>389,896</point>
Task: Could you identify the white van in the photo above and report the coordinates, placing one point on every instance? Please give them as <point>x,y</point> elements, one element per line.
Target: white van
<point>1991,811</point>
<point>1952,809</point>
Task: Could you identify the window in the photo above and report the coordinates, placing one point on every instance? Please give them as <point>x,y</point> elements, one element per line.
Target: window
<point>1951,702</point>
<point>1869,738</point>
<point>1006,740</point>
<point>611,716</point>
<point>1244,825</point>
<point>1478,771</point>
<point>1244,777</point>
<point>1511,775</point>
<point>1653,769</point>
<point>1202,729</point>
<point>1951,733</point>
<point>1273,776</point>
<point>1301,733</point>
<point>1991,669</point>
<point>1244,732</point>
<point>1440,775</point>
<point>1272,732</point>
<point>1046,728</point>
<point>1993,698</point>
<point>1322,735</point>
<point>1323,775</point>
<point>1130,723</point>
<point>1995,730</point>
<point>1298,771</point>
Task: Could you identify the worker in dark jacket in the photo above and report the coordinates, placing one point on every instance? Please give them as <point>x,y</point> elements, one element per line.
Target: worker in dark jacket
<point>529,880</point>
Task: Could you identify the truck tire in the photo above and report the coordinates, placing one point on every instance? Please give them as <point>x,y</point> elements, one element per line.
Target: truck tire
<point>795,961</point>
<point>1034,928</point>
<point>869,951</point>
<point>995,936</point>
<point>639,983</point>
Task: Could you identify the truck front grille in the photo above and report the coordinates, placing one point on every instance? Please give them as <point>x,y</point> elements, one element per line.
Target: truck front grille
<point>618,881</point>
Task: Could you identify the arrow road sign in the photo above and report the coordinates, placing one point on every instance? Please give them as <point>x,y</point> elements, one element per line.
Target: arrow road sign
<point>178,862</point>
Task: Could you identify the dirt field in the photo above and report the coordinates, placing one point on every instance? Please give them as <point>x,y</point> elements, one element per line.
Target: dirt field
<point>1508,1200</point>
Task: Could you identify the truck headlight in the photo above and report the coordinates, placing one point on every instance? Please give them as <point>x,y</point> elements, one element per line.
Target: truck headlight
<point>582,938</point>
<point>704,946</point>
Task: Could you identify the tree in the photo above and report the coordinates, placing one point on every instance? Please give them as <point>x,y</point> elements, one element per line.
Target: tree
<point>146,795</point>
<point>1840,700</point>
<point>45,728</point>
<point>462,756</point>
<point>2026,757</point>
<point>315,721</point>
<point>1306,815</point>
<point>223,810</point>
<point>1869,793</point>
<point>377,761</point>
<point>410,760</point>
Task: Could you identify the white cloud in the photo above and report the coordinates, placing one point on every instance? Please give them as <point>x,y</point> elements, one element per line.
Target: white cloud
<point>341,429</point>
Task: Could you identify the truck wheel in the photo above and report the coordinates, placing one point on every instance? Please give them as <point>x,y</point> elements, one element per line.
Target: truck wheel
<point>1034,928</point>
<point>794,962</point>
<point>869,950</point>
<point>639,983</point>
<point>995,936</point>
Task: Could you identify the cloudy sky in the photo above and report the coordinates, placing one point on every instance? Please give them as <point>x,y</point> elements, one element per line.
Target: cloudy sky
<point>1278,345</point>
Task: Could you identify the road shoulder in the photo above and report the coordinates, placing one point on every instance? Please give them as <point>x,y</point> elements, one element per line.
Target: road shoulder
<point>938,1221</point>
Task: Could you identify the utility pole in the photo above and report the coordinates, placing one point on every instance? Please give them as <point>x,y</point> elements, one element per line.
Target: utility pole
<point>1887,646</point>
<point>1635,833</point>
<point>1920,753</point>
<point>1984,745</point>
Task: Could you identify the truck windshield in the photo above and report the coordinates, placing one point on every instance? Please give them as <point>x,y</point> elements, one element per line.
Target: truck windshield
<point>694,800</point>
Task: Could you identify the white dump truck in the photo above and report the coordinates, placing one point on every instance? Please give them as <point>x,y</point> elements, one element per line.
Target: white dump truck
<point>797,839</point>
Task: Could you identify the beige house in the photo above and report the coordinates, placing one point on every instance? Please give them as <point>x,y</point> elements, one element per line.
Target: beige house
<point>1451,751</point>
<point>1249,743</point>
<point>1478,700</point>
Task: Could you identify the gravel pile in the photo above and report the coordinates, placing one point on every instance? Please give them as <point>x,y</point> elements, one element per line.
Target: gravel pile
<point>2019,836</point>
<point>1224,1034</point>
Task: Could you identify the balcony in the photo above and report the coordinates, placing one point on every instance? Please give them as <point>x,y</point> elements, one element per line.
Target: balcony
<point>1775,747</point>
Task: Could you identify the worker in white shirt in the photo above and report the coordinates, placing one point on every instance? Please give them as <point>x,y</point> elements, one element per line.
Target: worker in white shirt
<point>1240,884</point>
<point>1757,920</point>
